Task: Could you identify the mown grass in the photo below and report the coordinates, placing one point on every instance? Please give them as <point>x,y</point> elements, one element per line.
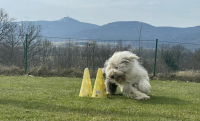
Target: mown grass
<point>56,98</point>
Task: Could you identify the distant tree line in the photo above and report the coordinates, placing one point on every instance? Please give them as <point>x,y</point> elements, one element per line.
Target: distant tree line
<point>91,54</point>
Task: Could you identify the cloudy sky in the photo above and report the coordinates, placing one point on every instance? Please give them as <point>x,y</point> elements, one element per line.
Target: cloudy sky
<point>174,13</point>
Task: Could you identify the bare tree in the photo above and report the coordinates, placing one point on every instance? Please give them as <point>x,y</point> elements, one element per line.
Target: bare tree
<point>34,38</point>
<point>167,57</point>
<point>75,56</point>
<point>105,51</point>
<point>173,56</point>
<point>197,55</point>
<point>6,24</point>
<point>140,35</point>
<point>179,54</point>
<point>94,54</point>
<point>11,50</point>
<point>69,53</point>
<point>197,58</point>
<point>86,54</point>
<point>46,51</point>
<point>8,39</point>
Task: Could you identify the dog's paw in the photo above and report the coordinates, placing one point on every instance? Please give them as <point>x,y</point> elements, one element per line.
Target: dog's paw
<point>143,98</point>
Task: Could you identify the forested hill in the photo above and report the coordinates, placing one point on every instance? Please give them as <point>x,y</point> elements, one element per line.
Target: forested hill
<point>125,30</point>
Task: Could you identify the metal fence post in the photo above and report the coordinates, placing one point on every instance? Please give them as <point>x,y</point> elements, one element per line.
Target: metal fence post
<point>26,53</point>
<point>154,71</point>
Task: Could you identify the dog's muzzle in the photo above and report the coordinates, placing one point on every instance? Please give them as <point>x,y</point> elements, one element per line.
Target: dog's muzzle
<point>112,77</point>
<point>117,78</point>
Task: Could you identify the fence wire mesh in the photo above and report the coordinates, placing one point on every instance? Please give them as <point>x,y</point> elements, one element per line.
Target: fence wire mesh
<point>66,53</point>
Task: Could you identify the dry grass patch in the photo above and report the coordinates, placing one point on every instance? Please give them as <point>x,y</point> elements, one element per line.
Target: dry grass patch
<point>11,71</point>
<point>187,76</point>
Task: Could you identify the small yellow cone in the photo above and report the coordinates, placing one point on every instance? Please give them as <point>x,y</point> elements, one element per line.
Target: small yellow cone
<point>99,90</point>
<point>86,87</point>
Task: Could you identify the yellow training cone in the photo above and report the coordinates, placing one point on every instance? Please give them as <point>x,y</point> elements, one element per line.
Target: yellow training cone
<point>99,90</point>
<point>86,87</point>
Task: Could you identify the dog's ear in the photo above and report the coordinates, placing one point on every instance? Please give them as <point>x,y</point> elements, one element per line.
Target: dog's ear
<point>130,58</point>
<point>105,64</point>
<point>133,56</point>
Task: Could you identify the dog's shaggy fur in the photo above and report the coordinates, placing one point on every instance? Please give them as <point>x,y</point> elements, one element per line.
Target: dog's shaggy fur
<point>123,70</point>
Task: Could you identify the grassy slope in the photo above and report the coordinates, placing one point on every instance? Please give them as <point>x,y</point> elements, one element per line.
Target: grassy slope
<point>56,98</point>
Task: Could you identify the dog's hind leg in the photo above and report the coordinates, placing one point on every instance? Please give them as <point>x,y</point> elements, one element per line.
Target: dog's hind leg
<point>144,86</point>
<point>133,92</point>
<point>111,87</point>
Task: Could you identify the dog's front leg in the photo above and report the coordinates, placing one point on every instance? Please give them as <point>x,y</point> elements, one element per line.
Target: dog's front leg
<point>110,87</point>
<point>133,92</point>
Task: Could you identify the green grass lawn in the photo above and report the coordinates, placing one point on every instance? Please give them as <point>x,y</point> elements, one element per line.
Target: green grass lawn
<point>57,98</point>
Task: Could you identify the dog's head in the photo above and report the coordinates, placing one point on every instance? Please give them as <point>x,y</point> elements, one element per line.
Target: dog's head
<point>119,65</point>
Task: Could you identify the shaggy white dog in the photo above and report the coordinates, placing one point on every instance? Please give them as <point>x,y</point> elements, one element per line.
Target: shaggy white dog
<point>124,70</point>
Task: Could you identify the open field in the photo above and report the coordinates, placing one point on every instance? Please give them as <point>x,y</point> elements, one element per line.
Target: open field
<point>56,98</point>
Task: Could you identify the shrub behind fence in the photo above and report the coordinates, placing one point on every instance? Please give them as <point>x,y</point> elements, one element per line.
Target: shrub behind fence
<point>53,53</point>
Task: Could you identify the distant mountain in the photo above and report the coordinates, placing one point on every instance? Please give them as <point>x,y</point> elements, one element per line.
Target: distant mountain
<point>117,30</point>
<point>64,27</point>
<point>129,30</point>
<point>125,30</point>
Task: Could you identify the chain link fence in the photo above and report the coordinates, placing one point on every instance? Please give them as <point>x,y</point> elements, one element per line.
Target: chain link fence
<point>56,53</point>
